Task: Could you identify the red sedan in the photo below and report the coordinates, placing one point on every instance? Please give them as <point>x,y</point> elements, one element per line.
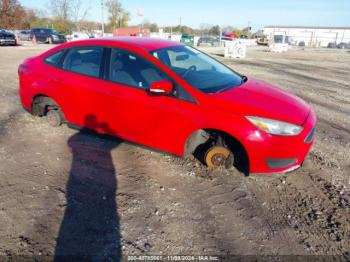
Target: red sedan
<point>170,97</point>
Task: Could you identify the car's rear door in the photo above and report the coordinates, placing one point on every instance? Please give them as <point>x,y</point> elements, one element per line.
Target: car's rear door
<point>82,89</point>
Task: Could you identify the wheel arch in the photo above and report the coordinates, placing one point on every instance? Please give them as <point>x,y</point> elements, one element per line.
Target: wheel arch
<point>200,137</point>
<point>41,102</point>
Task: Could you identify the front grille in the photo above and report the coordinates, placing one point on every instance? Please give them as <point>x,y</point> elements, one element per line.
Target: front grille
<point>310,136</point>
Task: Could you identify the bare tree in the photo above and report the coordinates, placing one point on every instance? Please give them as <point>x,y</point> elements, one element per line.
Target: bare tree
<point>89,27</point>
<point>79,13</point>
<point>228,29</point>
<point>60,9</point>
<point>204,28</point>
<point>69,13</point>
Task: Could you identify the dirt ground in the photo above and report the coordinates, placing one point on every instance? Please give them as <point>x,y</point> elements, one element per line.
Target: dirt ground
<point>66,192</point>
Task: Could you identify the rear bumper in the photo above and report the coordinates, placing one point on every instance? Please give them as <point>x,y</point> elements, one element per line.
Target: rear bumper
<point>59,41</point>
<point>280,154</point>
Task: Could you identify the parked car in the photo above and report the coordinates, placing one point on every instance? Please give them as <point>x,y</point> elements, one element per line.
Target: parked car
<point>24,35</point>
<point>47,35</point>
<point>244,37</point>
<point>187,40</point>
<point>79,36</point>
<point>227,40</point>
<point>343,45</point>
<point>7,38</point>
<point>230,35</point>
<point>262,41</point>
<point>171,97</point>
<point>332,45</point>
<point>208,41</point>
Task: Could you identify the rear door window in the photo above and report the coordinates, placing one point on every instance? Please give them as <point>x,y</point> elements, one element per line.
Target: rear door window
<point>54,58</point>
<point>84,60</point>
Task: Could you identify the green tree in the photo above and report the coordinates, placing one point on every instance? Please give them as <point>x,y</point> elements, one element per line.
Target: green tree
<point>153,27</point>
<point>118,17</point>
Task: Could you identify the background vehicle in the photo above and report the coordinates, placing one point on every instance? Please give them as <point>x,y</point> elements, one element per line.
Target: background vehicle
<point>230,35</point>
<point>208,41</point>
<point>47,35</point>
<point>227,40</point>
<point>263,41</point>
<point>7,38</point>
<point>332,45</point>
<point>244,37</point>
<point>75,36</point>
<point>171,97</point>
<point>187,40</point>
<point>343,45</point>
<point>24,35</point>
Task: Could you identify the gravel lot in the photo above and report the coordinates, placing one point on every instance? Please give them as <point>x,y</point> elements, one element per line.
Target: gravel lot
<point>64,192</point>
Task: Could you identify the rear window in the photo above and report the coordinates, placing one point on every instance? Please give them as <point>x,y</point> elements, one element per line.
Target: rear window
<point>54,58</point>
<point>84,60</point>
<point>42,30</point>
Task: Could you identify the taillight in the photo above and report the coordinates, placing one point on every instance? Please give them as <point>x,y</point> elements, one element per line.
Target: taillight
<point>22,69</point>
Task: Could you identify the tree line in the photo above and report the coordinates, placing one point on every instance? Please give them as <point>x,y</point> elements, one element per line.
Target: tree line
<point>67,16</point>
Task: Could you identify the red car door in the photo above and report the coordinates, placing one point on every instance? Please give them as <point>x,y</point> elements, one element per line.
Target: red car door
<point>84,92</point>
<point>162,122</point>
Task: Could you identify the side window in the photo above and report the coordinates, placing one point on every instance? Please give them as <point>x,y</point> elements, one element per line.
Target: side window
<point>84,60</point>
<point>132,70</point>
<point>54,58</point>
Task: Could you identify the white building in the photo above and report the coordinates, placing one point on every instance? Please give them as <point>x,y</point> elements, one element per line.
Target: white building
<point>311,35</point>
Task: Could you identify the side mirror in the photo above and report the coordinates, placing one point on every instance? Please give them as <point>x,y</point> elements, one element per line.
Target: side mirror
<point>162,87</point>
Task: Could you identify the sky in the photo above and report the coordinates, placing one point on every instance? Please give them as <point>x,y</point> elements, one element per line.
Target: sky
<point>225,12</point>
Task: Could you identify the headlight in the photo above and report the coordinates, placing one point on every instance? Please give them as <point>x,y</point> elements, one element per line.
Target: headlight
<point>54,36</point>
<point>275,127</point>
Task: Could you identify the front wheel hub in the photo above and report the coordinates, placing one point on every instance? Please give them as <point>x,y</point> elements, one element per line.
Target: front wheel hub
<point>217,156</point>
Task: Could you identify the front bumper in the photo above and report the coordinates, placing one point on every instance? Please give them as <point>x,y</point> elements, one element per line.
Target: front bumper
<point>7,41</point>
<point>280,154</point>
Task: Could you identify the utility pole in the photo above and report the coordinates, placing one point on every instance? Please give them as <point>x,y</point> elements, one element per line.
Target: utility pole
<point>220,37</point>
<point>102,19</point>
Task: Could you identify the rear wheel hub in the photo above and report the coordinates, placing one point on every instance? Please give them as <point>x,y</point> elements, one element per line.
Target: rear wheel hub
<point>54,118</point>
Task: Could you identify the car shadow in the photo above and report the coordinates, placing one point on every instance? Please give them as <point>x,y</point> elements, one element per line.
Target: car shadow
<point>90,226</point>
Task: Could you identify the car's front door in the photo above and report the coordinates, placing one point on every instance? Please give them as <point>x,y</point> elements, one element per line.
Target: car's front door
<point>161,122</point>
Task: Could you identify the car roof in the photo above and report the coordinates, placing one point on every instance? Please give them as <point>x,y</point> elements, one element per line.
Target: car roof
<point>150,44</point>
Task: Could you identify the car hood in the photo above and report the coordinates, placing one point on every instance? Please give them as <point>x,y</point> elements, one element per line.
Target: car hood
<point>257,98</point>
<point>4,33</point>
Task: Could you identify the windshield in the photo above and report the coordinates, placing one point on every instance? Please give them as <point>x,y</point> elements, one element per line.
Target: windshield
<point>199,70</point>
